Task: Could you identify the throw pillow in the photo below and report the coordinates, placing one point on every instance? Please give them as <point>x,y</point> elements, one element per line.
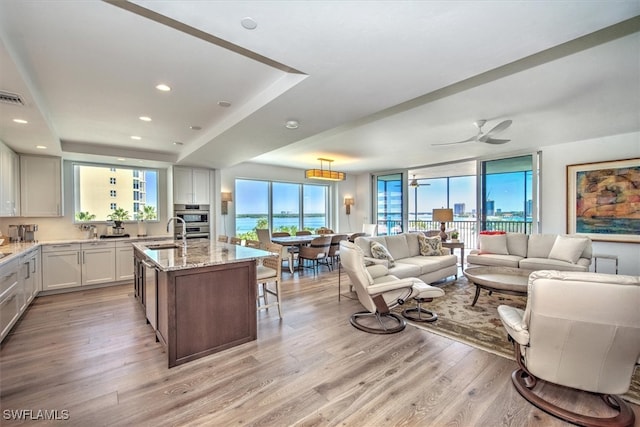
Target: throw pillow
<point>491,233</point>
<point>493,244</point>
<point>568,249</point>
<point>430,246</point>
<point>380,252</point>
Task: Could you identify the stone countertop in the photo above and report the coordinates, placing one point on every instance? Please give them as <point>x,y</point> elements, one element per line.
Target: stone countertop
<point>199,253</point>
<point>11,251</point>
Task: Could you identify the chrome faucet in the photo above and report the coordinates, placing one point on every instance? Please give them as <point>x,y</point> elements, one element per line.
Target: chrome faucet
<point>184,230</point>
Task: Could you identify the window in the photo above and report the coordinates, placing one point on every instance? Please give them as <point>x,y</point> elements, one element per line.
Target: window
<point>507,197</point>
<point>279,206</point>
<point>95,183</point>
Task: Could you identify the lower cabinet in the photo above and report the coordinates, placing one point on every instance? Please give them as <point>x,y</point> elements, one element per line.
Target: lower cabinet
<point>75,264</point>
<point>30,274</point>
<point>12,299</point>
<point>124,261</point>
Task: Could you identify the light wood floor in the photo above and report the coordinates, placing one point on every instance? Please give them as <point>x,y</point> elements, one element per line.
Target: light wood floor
<point>92,354</point>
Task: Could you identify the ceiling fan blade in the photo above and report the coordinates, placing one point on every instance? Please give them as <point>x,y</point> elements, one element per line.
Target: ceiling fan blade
<point>497,129</point>
<point>473,138</point>
<point>496,141</point>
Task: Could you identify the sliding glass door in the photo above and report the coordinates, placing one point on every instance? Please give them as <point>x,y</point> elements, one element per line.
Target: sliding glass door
<point>389,205</point>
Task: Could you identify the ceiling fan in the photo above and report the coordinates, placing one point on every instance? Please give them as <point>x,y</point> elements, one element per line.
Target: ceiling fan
<point>485,137</point>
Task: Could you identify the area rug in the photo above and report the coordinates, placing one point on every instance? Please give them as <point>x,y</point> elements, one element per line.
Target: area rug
<point>480,326</point>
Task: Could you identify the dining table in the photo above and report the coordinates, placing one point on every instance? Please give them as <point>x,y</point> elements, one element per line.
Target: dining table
<point>301,240</point>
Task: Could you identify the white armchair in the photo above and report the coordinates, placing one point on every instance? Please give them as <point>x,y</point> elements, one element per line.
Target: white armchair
<point>378,292</point>
<point>579,330</point>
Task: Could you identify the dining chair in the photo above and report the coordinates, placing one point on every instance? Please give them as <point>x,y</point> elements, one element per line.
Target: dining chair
<point>252,244</point>
<point>222,238</point>
<point>264,235</point>
<point>334,248</point>
<point>303,233</point>
<point>280,234</point>
<point>370,229</point>
<point>289,253</point>
<point>324,230</point>
<point>316,251</point>
<point>235,240</point>
<point>270,272</point>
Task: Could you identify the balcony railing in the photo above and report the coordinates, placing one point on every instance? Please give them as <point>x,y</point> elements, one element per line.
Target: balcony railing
<point>468,230</point>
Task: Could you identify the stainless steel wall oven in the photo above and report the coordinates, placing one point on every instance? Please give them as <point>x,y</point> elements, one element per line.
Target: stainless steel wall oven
<point>196,218</point>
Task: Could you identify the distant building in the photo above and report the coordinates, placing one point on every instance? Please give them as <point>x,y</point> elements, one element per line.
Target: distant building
<point>105,189</point>
<point>529,208</point>
<point>490,208</point>
<point>459,209</point>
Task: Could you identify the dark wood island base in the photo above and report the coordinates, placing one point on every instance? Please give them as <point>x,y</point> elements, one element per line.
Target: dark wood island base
<point>206,310</point>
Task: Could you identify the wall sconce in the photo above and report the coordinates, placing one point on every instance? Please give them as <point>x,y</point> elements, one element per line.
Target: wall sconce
<point>226,198</point>
<point>348,202</point>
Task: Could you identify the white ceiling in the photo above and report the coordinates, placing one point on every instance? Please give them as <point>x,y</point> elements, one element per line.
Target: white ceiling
<point>373,84</point>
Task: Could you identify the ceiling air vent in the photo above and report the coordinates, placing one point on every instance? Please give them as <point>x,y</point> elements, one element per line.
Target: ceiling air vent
<point>10,98</point>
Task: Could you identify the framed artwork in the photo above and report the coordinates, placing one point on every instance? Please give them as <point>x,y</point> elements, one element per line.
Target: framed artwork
<point>603,200</point>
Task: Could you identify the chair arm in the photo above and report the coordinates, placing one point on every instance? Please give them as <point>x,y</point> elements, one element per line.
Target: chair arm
<point>369,261</point>
<point>511,318</point>
<point>392,285</point>
<point>377,270</point>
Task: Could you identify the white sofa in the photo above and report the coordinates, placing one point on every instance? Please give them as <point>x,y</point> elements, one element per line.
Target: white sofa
<point>405,250</point>
<point>533,252</point>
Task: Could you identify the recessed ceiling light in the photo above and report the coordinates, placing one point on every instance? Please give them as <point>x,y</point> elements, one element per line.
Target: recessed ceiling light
<point>41,147</point>
<point>292,124</point>
<point>224,104</point>
<point>178,143</point>
<point>163,87</point>
<point>122,159</point>
<point>21,121</point>
<point>137,138</point>
<point>249,23</point>
<point>193,127</point>
<point>145,118</point>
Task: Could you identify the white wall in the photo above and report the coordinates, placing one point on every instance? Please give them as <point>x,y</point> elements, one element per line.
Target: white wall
<point>554,194</point>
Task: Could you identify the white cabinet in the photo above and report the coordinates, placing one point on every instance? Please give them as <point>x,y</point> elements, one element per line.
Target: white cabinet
<point>98,262</point>
<point>40,186</point>
<point>74,264</point>
<point>11,296</point>
<point>30,274</point>
<point>61,266</point>
<point>191,186</point>
<point>124,261</point>
<point>9,182</point>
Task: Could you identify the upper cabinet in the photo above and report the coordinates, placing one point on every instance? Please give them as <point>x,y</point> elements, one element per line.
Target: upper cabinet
<point>41,185</point>
<point>9,182</point>
<point>191,186</point>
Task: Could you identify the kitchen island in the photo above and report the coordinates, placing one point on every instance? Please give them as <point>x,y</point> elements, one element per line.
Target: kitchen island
<point>200,300</point>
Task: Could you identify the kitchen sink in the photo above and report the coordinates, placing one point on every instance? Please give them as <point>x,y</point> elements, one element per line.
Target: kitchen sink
<point>158,246</point>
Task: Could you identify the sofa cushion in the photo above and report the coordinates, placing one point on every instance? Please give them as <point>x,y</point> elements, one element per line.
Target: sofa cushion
<point>540,245</point>
<point>404,270</point>
<point>397,246</point>
<point>493,244</point>
<point>430,246</point>
<point>494,260</point>
<point>431,263</point>
<point>517,244</point>
<point>552,264</point>
<point>380,252</point>
<point>568,248</point>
